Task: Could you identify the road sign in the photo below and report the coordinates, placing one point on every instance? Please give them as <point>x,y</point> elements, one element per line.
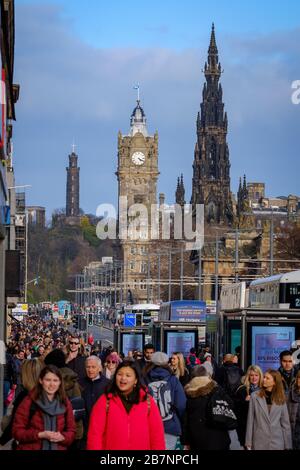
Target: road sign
<point>129,319</point>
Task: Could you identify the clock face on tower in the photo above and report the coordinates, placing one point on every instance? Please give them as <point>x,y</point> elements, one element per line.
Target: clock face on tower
<point>138,158</point>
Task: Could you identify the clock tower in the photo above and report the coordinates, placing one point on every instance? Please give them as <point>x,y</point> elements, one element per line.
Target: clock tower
<point>137,175</point>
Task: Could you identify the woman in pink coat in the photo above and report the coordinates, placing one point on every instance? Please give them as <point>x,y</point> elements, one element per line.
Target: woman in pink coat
<point>126,417</point>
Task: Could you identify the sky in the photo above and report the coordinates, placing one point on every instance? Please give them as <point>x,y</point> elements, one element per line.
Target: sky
<point>77,63</point>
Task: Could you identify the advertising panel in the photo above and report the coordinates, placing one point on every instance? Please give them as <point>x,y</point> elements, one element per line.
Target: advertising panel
<point>130,342</point>
<point>267,342</point>
<point>180,341</point>
<point>188,311</point>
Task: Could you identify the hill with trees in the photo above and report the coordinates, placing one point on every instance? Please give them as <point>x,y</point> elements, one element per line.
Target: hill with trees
<point>57,253</point>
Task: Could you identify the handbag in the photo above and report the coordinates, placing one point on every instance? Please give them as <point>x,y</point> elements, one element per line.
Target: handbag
<point>78,405</point>
<point>219,411</point>
<point>10,397</point>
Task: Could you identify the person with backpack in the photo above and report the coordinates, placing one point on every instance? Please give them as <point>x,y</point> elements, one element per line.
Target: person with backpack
<point>44,420</point>
<point>126,417</point>
<point>229,375</point>
<point>199,431</point>
<point>169,395</point>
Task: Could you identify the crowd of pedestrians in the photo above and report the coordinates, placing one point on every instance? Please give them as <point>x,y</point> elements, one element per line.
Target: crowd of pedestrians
<point>59,396</point>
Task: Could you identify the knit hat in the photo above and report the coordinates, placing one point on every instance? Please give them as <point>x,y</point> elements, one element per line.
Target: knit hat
<point>207,354</point>
<point>160,358</point>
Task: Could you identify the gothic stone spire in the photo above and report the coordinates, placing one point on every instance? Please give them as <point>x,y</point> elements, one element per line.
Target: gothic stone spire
<point>211,180</point>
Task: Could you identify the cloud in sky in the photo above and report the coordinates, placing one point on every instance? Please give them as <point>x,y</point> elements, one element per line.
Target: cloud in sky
<point>72,90</point>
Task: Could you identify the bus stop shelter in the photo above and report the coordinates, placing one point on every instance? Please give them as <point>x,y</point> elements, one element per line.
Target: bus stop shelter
<point>261,334</point>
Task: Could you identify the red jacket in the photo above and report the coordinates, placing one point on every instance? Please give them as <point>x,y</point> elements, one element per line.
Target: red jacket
<point>27,433</point>
<point>140,429</point>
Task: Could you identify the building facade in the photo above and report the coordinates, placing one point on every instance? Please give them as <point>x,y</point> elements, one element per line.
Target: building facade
<point>36,216</point>
<point>9,93</point>
<point>137,175</point>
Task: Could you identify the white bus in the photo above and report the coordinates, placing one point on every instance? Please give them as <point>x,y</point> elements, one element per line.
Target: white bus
<point>279,291</point>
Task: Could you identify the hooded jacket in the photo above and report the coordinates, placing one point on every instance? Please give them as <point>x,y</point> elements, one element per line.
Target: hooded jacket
<point>178,398</point>
<point>196,431</point>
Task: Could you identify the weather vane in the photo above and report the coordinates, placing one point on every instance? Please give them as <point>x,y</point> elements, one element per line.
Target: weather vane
<point>137,87</point>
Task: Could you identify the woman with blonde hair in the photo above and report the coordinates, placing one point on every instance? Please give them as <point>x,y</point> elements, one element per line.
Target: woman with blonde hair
<point>268,423</point>
<point>252,382</point>
<point>178,367</point>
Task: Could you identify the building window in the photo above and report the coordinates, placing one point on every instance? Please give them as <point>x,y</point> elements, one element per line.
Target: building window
<point>132,265</point>
<point>72,200</point>
<point>143,250</point>
<point>133,250</point>
<point>144,267</point>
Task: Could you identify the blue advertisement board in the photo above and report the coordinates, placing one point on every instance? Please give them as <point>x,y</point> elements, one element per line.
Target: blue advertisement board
<point>188,311</point>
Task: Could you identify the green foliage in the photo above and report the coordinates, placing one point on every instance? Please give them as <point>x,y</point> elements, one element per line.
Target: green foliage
<point>89,234</point>
<point>56,254</point>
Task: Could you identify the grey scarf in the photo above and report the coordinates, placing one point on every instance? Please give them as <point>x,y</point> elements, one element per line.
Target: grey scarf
<point>50,410</point>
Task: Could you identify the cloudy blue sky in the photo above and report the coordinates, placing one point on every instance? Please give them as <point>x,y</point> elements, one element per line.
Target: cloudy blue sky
<point>77,63</point>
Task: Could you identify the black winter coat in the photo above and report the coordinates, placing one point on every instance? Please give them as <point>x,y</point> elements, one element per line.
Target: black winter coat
<point>294,413</point>
<point>78,365</point>
<point>241,409</point>
<point>92,390</point>
<point>196,431</point>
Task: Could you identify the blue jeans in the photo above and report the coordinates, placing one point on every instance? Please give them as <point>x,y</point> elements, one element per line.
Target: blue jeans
<point>6,389</point>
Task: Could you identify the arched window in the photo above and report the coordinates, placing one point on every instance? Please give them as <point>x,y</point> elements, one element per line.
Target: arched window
<point>212,161</point>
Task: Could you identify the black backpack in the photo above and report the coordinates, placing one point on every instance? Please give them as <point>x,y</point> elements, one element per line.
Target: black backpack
<point>220,412</point>
<point>232,380</point>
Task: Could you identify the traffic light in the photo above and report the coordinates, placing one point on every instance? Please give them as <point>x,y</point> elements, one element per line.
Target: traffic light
<point>76,321</point>
<point>90,319</point>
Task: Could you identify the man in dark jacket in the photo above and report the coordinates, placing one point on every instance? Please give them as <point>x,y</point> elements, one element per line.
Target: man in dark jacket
<point>287,370</point>
<point>94,384</point>
<point>147,354</point>
<point>74,360</point>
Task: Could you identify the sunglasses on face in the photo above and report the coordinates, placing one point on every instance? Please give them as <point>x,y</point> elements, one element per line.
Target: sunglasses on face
<point>73,342</point>
<point>111,362</point>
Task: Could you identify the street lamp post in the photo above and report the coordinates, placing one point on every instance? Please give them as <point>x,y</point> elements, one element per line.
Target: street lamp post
<point>26,255</point>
